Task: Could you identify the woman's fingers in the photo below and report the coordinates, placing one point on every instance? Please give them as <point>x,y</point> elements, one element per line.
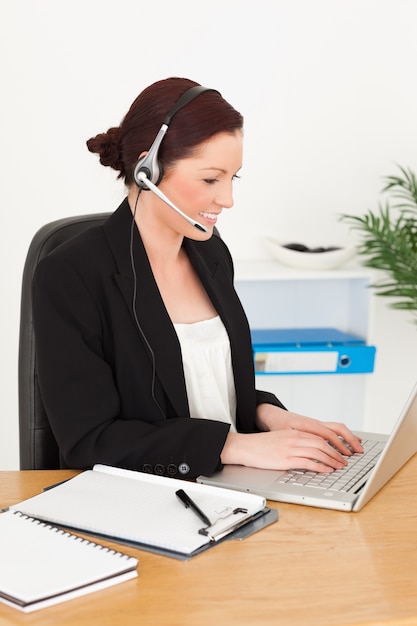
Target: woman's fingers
<point>315,448</point>
<point>344,440</point>
<point>336,433</point>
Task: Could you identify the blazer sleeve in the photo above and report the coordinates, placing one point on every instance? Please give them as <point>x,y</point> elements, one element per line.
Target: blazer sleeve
<point>266,397</point>
<point>80,395</point>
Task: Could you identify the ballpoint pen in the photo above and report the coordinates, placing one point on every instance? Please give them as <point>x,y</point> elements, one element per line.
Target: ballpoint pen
<point>189,503</point>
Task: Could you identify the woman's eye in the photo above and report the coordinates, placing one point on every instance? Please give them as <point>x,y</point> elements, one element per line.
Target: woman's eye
<point>212,181</point>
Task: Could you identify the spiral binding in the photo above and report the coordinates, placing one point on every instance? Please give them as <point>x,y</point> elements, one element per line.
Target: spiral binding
<point>77,538</point>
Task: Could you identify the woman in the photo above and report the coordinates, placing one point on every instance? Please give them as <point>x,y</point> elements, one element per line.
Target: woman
<point>144,351</point>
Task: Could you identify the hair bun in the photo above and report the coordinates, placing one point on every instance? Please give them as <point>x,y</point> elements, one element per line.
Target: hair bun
<point>106,145</point>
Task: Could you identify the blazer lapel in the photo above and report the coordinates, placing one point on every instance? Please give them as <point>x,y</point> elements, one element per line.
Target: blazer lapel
<point>150,317</point>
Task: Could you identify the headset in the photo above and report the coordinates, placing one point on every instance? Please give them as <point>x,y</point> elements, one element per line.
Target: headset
<point>148,171</point>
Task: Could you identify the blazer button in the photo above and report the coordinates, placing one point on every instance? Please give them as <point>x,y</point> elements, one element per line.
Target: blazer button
<point>147,468</point>
<point>183,468</point>
<point>172,469</point>
<point>159,469</point>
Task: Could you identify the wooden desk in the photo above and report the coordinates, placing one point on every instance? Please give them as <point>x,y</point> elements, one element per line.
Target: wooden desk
<point>313,567</point>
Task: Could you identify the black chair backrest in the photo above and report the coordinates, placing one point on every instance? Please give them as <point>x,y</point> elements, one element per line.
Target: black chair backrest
<point>38,448</point>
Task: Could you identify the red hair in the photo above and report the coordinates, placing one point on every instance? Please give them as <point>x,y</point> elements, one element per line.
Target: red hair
<point>203,117</point>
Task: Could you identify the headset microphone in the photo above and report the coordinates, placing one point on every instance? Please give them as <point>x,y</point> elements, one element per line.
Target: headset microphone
<point>141,176</point>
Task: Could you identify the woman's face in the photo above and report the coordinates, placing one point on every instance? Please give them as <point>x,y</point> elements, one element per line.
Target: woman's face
<point>202,185</point>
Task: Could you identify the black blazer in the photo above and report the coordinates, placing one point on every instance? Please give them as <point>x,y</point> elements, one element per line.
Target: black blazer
<point>112,385</point>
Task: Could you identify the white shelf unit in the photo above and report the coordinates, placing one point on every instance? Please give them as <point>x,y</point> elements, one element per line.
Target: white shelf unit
<point>275,296</point>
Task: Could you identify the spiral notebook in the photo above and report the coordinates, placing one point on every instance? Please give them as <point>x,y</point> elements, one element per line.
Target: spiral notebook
<point>41,565</point>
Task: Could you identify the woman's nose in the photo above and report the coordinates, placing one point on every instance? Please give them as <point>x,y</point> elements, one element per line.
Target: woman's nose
<point>225,198</point>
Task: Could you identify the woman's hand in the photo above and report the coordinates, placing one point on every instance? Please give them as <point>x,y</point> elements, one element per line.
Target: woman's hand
<point>270,417</point>
<point>281,450</point>
<point>291,441</point>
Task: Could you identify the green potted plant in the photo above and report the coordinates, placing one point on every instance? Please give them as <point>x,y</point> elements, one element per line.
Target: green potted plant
<point>389,241</point>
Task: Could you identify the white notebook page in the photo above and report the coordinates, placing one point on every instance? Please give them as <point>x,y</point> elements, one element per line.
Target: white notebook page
<point>139,507</point>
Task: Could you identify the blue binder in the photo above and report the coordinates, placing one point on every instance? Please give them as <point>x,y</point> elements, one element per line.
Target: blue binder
<point>310,351</point>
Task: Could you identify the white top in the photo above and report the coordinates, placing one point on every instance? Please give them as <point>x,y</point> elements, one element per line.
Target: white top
<point>208,370</point>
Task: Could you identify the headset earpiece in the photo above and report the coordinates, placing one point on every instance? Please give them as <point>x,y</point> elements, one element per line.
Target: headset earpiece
<point>149,164</point>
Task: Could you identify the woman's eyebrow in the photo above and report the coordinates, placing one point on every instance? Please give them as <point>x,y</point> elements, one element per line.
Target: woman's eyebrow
<point>217,169</point>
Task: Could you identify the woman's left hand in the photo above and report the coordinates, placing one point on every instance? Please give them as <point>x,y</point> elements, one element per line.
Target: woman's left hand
<point>270,417</point>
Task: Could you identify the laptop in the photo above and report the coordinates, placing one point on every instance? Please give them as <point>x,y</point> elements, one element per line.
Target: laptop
<point>348,489</point>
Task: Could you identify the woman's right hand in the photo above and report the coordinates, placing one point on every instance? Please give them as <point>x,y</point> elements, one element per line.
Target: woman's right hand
<point>282,450</point>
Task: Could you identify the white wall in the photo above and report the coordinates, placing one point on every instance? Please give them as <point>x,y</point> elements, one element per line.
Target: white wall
<point>329,95</point>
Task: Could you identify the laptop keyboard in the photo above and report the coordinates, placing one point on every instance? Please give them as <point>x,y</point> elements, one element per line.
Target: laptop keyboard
<point>340,480</point>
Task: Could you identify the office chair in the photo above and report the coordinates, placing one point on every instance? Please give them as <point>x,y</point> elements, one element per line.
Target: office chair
<point>38,448</point>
